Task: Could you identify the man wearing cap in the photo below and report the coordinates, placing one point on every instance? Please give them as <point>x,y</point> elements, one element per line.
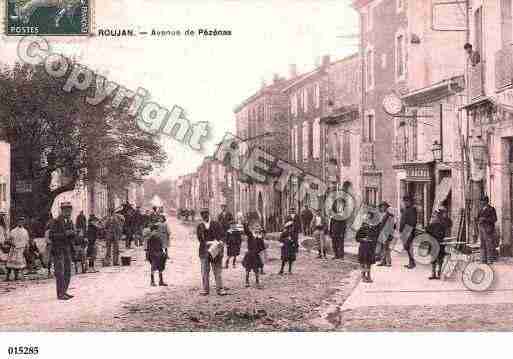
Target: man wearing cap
<point>407,227</point>
<point>337,229</point>
<point>62,234</point>
<point>210,233</point>
<point>486,221</point>
<point>113,232</point>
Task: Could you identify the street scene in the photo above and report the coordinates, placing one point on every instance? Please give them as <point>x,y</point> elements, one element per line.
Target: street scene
<point>369,190</point>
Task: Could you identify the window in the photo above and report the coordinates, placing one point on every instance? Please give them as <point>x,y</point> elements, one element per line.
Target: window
<point>371,196</point>
<point>294,143</point>
<point>293,104</point>
<point>3,192</point>
<point>369,68</point>
<point>317,96</point>
<point>316,139</point>
<point>400,58</point>
<point>400,5</point>
<point>305,100</point>
<point>506,23</point>
<point>346,149</point>
<point>306,142</point>
<point>370,127</point>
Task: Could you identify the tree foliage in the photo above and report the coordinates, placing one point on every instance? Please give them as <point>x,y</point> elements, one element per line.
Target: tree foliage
<point>53,130</point>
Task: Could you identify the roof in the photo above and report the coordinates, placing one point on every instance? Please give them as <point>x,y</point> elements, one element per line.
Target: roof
<point>275,86</point>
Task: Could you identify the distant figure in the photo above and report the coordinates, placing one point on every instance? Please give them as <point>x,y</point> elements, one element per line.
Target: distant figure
<point>337,229</point>
<point>474,56</point>
<point>234,240</point>
<point>18,241</point>
<point>289,247</point>
<point>407,228</point>
<point>156,254</point>
<point>252,261</point>
<point>319,233</point>
<point>439,228</point>
<point>113,233</point>
<point>367,236</point>
<point>225,218</point>
<point>92,235</point>
<point>386,230</point>
<point>486,220</point>
<point>306,219</point>
<point>81,223</point>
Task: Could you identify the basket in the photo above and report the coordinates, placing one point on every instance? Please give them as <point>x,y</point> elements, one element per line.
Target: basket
<point>125,261</point>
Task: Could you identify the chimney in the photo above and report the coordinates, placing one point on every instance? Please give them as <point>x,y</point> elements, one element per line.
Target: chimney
<point>325,61</point>
<point>292,70</point>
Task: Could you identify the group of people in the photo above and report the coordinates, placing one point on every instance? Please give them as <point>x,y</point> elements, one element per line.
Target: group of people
<point>227,231</point>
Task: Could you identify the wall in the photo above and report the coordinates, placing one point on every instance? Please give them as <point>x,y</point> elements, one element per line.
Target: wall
<point>5,179</point>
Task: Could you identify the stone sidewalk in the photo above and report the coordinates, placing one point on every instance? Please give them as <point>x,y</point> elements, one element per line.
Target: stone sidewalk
<point>399,286</point>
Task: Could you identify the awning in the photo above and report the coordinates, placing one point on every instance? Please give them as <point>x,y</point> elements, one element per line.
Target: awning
<point>442,192</point>
<point>434,92</point>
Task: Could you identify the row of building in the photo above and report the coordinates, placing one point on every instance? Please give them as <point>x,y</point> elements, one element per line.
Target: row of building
<point>410,114</point>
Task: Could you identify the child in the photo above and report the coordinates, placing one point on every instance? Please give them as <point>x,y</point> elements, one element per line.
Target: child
<point>79,255</point>
<point>289,247</point>
<point>261,246</point>
<point>233,242</point>
<point>318,230</point>
<point>367,237</point>
<point>92,235</point>
<point>155,254</point>
<point>252,260</point>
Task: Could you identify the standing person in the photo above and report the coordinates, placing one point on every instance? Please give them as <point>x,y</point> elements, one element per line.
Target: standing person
<point>289,247</point>
<point>367,236</point>
<point>306,219</point>
<point>81,223</point>
<point>385,233</point>
<point>225,218</point>
<point>337,229</point>
<point>62,234</point>
<point>486,220</point>
<point>156,253</point>
<point>4,248</point>
<point>210,233</point>
<point>113,233</point>
<point>155,215</point>
<point>139,225</point>
<point>18,239</point>
<point>407,227</point>
<point>31,254</point>
<point>296,224</point>
<point>48,251</point>
<point>252,260</point>
<point>319,230</point>
<point>128,214</point>
<point>439,228</point>
<point>164,233</point>
<point>234,240</point>
<point>92,235</point>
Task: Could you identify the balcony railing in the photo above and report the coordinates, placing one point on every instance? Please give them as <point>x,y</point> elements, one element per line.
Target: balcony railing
<point>503,68</point>
<point>476,81</point>
<point>367,156</point>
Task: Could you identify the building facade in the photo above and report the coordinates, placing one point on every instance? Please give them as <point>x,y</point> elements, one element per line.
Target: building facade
<point>5,181</point>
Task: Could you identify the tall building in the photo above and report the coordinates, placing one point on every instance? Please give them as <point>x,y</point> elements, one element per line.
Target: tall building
<point>261,122</point>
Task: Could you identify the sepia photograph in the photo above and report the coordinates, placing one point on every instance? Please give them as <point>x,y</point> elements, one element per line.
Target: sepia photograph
<point>286,167</point>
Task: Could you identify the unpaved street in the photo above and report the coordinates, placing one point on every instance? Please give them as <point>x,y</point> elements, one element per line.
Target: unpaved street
<point>120,298</point>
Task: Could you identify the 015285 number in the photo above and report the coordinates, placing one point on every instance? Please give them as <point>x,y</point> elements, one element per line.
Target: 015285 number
<point>23,350</point>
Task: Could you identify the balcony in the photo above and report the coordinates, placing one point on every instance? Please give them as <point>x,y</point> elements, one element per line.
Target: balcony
<point>476,82</point>
<point>503,68</point>
<point>367,155</point>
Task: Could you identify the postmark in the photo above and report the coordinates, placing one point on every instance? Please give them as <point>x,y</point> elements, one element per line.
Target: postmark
<point>48,17</point>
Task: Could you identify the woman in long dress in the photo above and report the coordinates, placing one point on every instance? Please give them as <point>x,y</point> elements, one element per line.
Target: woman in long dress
<point>233,242</point>
<point>19,240</point>
<point>252,261</point>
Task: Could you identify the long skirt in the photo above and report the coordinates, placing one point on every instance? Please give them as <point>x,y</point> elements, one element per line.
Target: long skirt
<point>233,246</point>
<point>252,261</point>
<point>16,258</point>
<point>289,252</point>
<point>158,262</point>
<point>367,253</point>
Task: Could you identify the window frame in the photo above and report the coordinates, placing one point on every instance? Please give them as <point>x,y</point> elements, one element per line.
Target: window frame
<point>370,80</point>
<point>316,134</point>
<point>317,95</point>
<point>305,134</point>
<point>366,128</point>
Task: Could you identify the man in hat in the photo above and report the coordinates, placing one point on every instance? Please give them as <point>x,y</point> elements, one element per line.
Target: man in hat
<point>337,229</point>
<point>385,232</point>
<point>486,220</point>
<point>210,233</point>
<point>62,234</point>
<point>113,233</point>
<point>407,227</point>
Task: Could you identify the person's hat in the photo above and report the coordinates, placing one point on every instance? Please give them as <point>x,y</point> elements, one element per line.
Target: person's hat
<point>66,205</point>
<point>204,210</point>
<point>384,204</point>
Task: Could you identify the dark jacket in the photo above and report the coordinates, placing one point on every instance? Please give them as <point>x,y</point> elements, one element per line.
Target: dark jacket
<point>58,235</point>
<point>225,219</point>
<point>408,218</point>
<point>487,216</point>
<point>81,223</point>
<point>337,227</point>
<point>296,226</point>
<point>214,232</point>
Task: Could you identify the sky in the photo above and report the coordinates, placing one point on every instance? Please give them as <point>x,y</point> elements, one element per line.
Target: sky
<point>208,77</point>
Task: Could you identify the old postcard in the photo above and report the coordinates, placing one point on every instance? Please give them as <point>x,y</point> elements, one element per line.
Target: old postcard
<point>255,166</point>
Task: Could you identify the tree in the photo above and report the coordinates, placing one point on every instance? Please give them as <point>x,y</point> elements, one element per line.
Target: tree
<point>52,130</point>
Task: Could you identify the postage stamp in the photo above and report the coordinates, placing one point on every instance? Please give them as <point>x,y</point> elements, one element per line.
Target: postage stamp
<point>48,17</point>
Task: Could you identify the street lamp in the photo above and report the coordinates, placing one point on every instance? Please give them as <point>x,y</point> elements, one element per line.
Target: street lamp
<point>437,152</point>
